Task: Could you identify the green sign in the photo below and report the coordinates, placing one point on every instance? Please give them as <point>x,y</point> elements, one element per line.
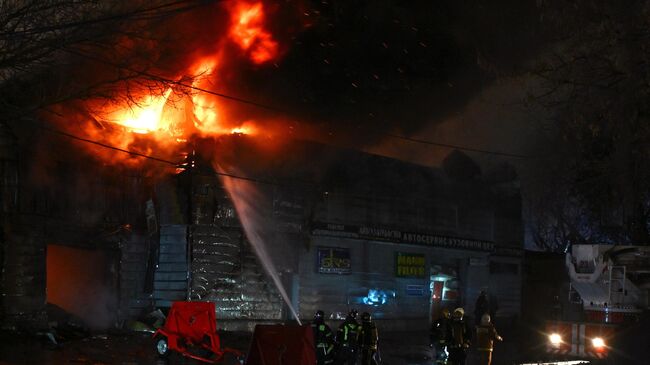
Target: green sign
<point>410,265</point>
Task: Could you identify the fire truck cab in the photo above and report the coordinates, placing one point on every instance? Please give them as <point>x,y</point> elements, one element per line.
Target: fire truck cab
<point>608,290</point>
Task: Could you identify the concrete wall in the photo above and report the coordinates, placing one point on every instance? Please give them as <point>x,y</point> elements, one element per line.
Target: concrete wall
<point>370,191</point>
<point>23,280</point>
<point>373,267</point>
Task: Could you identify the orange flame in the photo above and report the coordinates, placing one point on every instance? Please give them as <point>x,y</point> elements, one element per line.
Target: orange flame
<point>143,117</point>
<point>248,32</point>
<point>246,128</point>
<point>160,124</point>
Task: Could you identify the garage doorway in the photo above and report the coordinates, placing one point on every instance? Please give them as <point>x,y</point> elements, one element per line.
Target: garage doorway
<point>83,283</point>
<point>444,287</point>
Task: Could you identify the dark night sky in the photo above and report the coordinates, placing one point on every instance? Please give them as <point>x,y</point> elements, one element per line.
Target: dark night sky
<point>368,67</point>
<point>357,70</point>
<point>354,74</point>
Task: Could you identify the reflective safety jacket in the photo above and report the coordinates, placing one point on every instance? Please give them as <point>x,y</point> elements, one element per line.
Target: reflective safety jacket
<point>459,334</point>
<point>347,333</point>
<point>323,338</point>
<point>485,337</point>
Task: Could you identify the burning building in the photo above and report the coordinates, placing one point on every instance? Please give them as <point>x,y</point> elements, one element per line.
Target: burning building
<point>305,227</point>
<point>337,229</point>
<point>161,186</point>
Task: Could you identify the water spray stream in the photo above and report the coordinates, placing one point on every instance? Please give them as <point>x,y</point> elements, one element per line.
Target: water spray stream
<point>244,196</point>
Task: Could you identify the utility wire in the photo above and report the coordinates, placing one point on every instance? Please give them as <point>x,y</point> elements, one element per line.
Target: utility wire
<point>157,159</point>
<point>109,18</point>
<point>178,83</point>
<point>447,145</point>
<point>101,144</point>
<point>221,95</point>
<point>277,109</point>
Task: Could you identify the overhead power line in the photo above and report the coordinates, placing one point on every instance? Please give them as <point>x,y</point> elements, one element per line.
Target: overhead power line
<point>277,109</point>
<point>173,7</point>
<point>458,147</point>
<point>178,83</point>
<point>101,144</point>
<point>158,159</point>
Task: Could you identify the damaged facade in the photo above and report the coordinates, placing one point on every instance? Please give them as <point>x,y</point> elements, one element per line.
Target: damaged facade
<point>343,230</point>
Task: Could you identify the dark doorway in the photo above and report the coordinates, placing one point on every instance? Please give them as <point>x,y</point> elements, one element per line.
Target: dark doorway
<point>82,282</point>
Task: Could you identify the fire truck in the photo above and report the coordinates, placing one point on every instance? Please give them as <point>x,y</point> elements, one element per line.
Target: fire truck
<point>608,291</point>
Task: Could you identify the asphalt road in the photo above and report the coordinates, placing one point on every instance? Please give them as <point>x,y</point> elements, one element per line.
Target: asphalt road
<point>399,348</point>
<point>404,348</point>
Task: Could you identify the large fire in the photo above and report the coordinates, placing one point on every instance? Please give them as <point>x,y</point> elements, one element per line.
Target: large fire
<point>145,116</point>
<point>248,32</point>
<point>152,121</point>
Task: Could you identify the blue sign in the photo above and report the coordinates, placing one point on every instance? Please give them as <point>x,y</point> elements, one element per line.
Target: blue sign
<point>334,260</point>
<point>415,290</point>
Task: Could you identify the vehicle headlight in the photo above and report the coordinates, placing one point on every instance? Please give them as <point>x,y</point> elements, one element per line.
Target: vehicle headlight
<point>598,342</point>
<point>555,339</point>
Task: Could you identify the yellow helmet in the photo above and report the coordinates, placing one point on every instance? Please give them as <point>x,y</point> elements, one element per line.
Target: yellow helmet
<point>485,320</point>
<point>459,312</point>
<point>445,312</point>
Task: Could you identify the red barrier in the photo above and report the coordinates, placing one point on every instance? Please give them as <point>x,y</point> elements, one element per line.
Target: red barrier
<point>190,326</point>
<point>282,345</point>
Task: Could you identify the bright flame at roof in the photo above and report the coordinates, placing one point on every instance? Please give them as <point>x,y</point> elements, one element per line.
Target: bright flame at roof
<point>144,117</point>
<point>242,130</point>
<point>170,118</point>
<point>248,32</point>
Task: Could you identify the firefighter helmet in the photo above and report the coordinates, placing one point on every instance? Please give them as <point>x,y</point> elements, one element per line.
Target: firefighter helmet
<point>319,316</point>
<point>353,314</point>
<point>365,317</point>
<point>485,320</point>
<point>445,313</point>
<point>459,313</point>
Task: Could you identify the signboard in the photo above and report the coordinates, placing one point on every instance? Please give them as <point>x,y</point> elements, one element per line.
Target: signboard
<point>398,236</point>
<point>410,265</point>
<point>415,290</point>
<point>332,260</point>
<point>508,251</point>
<point>450,294</point>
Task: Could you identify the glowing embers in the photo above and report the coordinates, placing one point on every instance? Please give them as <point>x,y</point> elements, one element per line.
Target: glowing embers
<point>248,32</point>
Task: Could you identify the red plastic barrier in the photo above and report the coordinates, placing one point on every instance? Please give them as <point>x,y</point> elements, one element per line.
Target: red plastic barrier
<point>192,320</point>
<point>282,345</point>
<point>192,325</point>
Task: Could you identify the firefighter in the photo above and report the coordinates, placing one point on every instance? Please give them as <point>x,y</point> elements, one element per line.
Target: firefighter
<point>367,340</point>
<point>486,334</point>
<point>438,336</point>
<point>458,337</point>
<point>481,306</point>
<point>346,340</point>
<point>323,339</point>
